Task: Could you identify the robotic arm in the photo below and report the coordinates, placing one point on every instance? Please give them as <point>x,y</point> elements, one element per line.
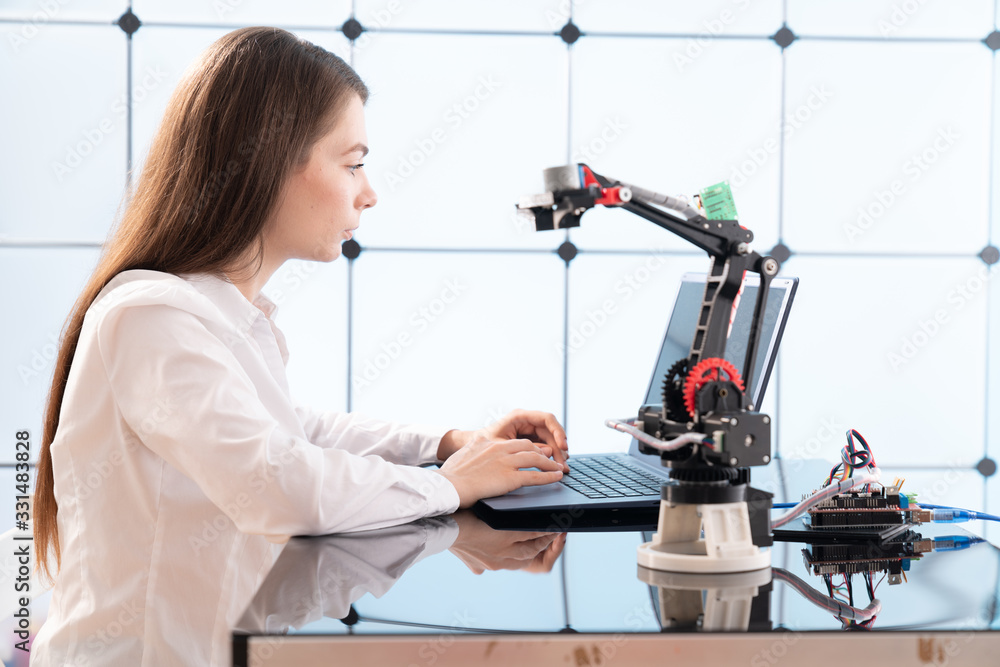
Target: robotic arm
<point>704,393</point>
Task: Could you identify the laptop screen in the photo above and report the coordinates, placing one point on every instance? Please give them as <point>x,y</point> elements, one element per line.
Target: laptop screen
<point>680,332</point>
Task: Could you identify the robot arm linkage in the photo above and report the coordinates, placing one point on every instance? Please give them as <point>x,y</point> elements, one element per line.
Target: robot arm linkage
<point>713,393</point>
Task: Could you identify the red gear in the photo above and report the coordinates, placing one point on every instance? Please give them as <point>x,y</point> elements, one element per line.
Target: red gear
<point>705,371</point>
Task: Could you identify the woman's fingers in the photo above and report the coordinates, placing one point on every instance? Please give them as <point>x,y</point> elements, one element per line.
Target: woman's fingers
<point>525,445</point>
<point>545,425</point>
<point>528,549</point>
<point>551,554</point>
<point>538,478</point>
<point>540,427</point>
<point>534,460</point>
<point>548,428</point>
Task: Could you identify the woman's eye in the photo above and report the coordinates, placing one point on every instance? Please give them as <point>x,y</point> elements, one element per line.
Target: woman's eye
<point>355,167</point>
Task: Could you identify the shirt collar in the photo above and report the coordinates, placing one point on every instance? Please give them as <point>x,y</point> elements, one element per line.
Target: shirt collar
<point>230,299</point>
<point>265,305</point>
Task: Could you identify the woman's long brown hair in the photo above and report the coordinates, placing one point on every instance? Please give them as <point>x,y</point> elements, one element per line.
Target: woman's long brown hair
<point>241,120</point>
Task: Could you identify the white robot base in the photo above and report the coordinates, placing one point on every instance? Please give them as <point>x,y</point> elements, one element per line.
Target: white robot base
<point>678,545</point>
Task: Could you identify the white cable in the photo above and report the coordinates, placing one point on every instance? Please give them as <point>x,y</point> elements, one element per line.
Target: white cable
<point>625,426</point>
<point>675,204</point>
<point>824,493</point>
<point>831,604</point>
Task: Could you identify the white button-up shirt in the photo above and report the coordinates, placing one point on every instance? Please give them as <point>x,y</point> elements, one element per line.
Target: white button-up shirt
<point>179,452</point>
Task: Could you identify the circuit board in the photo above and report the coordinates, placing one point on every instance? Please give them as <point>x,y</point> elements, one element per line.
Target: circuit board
<point>875,510</point>
<point>890,556</point>
<point>718,202</point>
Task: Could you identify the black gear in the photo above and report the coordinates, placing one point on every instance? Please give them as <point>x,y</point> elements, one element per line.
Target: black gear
<point>706,474</point>
<point>673,391</point>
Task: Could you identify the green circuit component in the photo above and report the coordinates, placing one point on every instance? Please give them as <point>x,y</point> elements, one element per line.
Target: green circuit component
<point>718,202</point>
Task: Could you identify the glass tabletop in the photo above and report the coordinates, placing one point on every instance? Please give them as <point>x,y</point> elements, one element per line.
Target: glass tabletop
<point>456,576</point>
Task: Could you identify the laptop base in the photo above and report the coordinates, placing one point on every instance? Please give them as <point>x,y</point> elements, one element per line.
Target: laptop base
<point>570,520</point>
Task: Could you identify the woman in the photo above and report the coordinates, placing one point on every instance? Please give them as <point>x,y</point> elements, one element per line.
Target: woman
<point>171,448</point>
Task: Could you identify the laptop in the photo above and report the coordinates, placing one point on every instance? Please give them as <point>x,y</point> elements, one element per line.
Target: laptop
<point>603,490</point>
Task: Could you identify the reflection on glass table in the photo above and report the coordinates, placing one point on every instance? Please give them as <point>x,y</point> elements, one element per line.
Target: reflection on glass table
<point>441,581</point>
<point>321,577</point>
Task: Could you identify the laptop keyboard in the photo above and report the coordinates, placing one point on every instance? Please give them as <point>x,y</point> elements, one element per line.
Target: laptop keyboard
<point>610,477</point>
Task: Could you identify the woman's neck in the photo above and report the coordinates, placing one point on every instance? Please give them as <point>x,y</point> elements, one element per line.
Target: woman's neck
<point>251,285</point>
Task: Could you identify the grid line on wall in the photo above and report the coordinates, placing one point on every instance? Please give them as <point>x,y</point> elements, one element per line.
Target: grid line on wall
<point>128,108</point>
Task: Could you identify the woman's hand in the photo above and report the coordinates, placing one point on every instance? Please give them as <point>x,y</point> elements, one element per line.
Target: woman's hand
<point>481,548</point>
<point>540,427</point>
<point>485,468</point>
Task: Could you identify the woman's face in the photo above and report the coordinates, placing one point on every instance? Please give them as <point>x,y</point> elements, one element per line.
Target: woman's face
<point>322,200</point>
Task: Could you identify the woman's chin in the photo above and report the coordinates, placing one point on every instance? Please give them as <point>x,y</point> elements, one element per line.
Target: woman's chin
<point>324,253</point>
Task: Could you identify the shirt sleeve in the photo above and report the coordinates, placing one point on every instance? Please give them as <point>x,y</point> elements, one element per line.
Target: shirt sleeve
<point>413,444</point>
<point>183,391</point>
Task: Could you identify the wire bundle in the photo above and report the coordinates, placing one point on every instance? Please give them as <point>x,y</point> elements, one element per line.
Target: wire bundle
<point>852,459</point>
<point>845,612</point>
